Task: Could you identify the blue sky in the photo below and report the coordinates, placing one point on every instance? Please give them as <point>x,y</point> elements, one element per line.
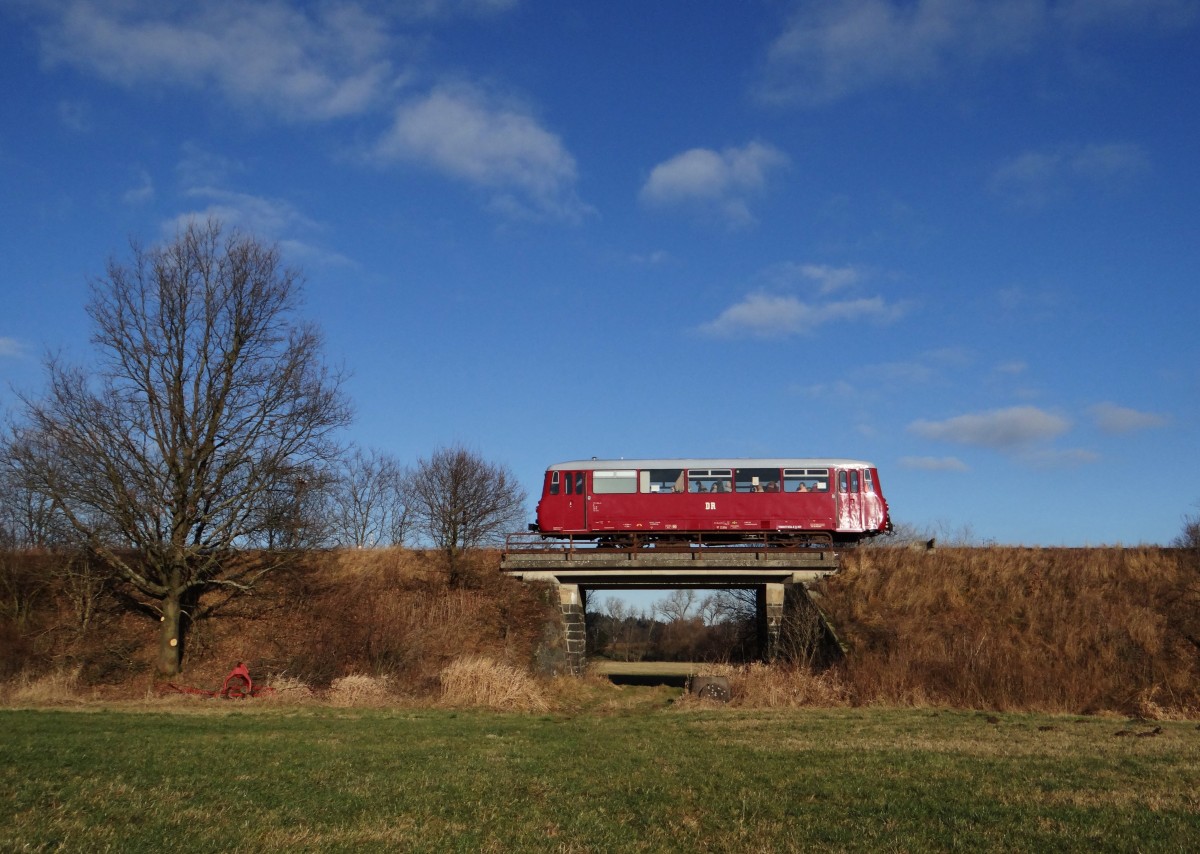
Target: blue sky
<point>957,238</point>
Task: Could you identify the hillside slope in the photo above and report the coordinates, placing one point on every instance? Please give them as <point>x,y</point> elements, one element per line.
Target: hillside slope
<point>1072,630</point>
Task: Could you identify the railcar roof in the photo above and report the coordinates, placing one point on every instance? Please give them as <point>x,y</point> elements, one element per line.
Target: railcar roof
<point>713,463</point>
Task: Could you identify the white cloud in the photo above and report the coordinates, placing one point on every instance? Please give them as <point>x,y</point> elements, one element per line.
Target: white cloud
<point>271,219</point>
<point>496,147</point>
<point>256,214</point>
<point>1012,368</point>
<point>1111,418</point>
<point>1001,428</point>
<point>834,49</point>
<point>142,191</point>
<point>928,367</point>
<point>768,316</point>
<point>11,347</point>
<point>198,167</point>
<point>418,9</point>
<point>838,48</point>
<point>1035,179</point>
<point>724,180</point>
<point>828,278</point>
<point>75,116</point>
<point>774,309</point>
<point>330,63</point>
<point>652,258</point>
<point>933,464</point>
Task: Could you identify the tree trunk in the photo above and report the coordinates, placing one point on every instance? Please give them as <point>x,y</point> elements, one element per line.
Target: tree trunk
<point>170,639</point>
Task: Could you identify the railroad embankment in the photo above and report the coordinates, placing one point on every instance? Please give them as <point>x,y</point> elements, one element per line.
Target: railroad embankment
<point>1059,630</point>
<point>1071,630</point>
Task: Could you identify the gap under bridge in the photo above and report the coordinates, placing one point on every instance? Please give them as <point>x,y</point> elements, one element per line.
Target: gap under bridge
<point>781,576</point>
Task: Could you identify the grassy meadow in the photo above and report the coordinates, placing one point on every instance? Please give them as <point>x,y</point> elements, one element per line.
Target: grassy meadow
<point>659,776</point>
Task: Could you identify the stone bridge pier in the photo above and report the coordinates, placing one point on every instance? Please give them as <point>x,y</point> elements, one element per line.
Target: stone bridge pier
<point>570,599</point>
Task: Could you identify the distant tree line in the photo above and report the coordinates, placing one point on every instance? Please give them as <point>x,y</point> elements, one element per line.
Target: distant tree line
<point>682,626</point>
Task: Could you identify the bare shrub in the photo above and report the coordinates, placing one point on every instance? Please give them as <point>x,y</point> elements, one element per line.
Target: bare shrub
<point>477,681</point>
<point>359,690</point>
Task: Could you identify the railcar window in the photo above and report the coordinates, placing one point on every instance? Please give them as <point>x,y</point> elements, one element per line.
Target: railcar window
<point>842,481</point>
<point>663,480</point>
<point>757,480</point>
<point>614,482</point>
<point>806,480</point>
<point>579,478</point>
<point>854,481</point>
<point>710,480</point>
<point>554,483</point>
<point>868,484</point>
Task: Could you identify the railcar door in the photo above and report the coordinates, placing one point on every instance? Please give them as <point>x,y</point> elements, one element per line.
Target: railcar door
<point>575,497</point>
<point>849,496</point>
<point>566,495</point>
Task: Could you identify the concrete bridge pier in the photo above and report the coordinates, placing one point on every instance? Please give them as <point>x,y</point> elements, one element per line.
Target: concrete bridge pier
<point>769,600</point>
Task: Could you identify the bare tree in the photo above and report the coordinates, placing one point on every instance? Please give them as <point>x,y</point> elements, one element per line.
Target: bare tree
<point>28,518</point>
<point>1189,537</point>
<point>208,404</point>
<point>367,508</point>
<point>460,501</point>
<point>623,626</point>
<point>676,607</point>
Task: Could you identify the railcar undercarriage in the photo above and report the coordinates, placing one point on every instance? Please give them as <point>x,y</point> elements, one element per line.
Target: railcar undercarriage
<point>701,539</point>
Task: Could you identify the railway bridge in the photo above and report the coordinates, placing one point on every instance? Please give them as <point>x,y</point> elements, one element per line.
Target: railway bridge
<point>780,576</point>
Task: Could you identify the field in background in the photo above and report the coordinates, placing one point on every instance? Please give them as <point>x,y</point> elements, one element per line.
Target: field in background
<point>1001,629</point>
<point>265,778</point>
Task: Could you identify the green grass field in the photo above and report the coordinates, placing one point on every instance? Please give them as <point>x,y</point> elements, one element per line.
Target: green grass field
<point>219,777</point>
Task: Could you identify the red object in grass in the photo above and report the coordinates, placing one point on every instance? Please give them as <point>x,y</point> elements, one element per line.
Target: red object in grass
<point>237,684</point>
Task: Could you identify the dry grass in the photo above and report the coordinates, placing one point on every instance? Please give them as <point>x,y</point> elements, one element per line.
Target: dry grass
<point>287,690</point>
<point>775,686</point>
<point>56,688</point>
<point>1055,630</point>
<point>479,682</point>
<point>359,690</point>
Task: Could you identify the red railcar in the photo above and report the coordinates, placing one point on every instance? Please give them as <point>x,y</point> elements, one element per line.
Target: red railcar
<point>785,500</point>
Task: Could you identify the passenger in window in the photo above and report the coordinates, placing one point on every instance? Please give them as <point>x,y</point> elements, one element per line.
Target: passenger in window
<point>802,487</point>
